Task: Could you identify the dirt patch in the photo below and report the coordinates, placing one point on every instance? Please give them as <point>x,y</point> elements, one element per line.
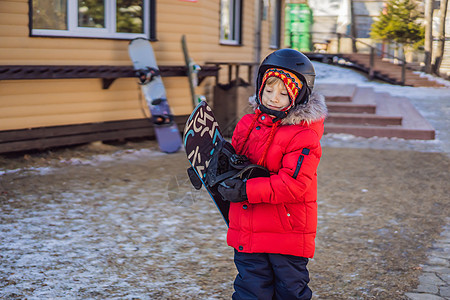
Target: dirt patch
<point>121,221</point>
<point>379,212</point>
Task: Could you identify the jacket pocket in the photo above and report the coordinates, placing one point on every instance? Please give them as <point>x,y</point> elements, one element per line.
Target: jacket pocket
<point>305,151</point>
<point>284,216</point>
<point>296,216</point>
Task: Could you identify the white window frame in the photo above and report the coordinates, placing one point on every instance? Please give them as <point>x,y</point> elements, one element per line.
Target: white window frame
<point>235,27</point>
<point>109,32</point>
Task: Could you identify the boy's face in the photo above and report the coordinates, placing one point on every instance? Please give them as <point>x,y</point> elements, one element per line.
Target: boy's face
<point>275,96</point>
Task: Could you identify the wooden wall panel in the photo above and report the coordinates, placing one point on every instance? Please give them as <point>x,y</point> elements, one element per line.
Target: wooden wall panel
<point>22,98</point>
<point>13,7</point>
<point>35,103</point>
<point>61,119</point>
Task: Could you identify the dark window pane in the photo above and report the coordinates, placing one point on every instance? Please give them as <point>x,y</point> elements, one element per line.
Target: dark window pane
<point>50,14</point>
<point>91,13</point>
<point>225,20</point>
<point>129,16</point>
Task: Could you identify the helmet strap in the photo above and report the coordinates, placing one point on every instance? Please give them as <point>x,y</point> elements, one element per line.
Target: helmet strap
<point>277,114</point>
<point>304,95</point>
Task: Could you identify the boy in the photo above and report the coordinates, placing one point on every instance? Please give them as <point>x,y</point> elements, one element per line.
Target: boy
<point>273,219</point>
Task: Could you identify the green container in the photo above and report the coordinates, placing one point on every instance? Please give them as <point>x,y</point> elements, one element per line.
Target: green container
<point>298,23</point>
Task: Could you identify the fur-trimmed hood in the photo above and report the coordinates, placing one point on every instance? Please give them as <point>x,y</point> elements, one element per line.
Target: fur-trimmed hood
<point>314,110</point>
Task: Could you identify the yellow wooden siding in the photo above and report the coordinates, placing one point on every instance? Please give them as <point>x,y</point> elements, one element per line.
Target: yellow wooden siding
<point>36,103</point>
<point>74,101</point>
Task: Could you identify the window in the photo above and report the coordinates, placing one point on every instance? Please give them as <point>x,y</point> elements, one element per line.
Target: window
<point>275,23</point>
<point>117,19</point>
<point>230,22</point>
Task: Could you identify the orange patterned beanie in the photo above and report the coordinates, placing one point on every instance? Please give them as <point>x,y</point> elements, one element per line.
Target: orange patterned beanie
<point>292,83</point>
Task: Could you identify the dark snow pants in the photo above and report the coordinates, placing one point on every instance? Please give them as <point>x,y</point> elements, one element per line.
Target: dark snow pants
<point>264,276</point>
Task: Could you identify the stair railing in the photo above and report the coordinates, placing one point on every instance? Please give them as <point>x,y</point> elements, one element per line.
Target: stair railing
<point>373,50</point>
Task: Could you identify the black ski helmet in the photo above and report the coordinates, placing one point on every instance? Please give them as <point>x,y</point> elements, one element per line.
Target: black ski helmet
<point>293,61</point>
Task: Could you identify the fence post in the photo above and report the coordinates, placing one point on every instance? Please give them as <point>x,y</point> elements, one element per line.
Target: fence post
<point>338,43</point>
<point>372,63</point>
<point>404,73</point>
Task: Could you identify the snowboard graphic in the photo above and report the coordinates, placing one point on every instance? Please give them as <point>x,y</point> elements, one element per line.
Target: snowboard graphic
<point>192,71</point>
<point>166,130</point>
<point>212,158</point>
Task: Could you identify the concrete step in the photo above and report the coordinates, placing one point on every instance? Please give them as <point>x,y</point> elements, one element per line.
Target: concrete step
<point>344,107</point>
<point>381,131</point>
<point>394,117</point>
<point>364,96</point>
<point>336,92</point>
<point>363,119</point>
<point>347,98</point>
<point>361,111</point>
<point>388,105</point>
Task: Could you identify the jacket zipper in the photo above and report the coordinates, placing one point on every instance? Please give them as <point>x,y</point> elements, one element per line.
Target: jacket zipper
<point>305,151</point>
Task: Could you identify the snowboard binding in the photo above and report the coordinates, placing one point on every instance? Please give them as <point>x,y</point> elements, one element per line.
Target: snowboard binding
<point>226,164</point>
<point>146,75</point>
<point>162,119</point>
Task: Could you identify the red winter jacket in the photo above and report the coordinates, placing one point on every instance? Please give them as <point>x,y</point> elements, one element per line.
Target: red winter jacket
<point>280,215</point>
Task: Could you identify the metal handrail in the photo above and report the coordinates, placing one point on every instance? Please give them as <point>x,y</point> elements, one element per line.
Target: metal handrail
<point>372,56</point>
<point>373,51</point>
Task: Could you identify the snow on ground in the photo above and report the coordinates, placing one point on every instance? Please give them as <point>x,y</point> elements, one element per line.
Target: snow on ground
<point>107,227</point>
<point>433,103</point>
<point>95,160</point>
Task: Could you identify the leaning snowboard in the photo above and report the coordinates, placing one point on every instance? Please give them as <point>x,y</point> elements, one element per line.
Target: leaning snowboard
<point>192,72</point>
<point>212,158</point>
<point>144,62</point>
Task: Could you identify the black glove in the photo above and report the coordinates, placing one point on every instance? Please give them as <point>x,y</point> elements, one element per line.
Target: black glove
<point>193,177</point>
<point>233,190</point>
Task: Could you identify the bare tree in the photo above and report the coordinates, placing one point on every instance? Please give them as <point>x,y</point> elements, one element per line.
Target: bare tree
<point>441,37</point>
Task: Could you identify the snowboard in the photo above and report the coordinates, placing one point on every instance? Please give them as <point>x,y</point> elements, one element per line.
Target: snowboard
<point>212,158</point>
<point>144,63</point>
<point>192,72</point>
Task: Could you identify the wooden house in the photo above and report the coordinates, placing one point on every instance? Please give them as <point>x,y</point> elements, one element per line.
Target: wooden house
<point>65,74</point>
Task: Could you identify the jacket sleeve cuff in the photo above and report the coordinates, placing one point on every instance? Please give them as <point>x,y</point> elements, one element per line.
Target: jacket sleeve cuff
<point>255,189</point>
